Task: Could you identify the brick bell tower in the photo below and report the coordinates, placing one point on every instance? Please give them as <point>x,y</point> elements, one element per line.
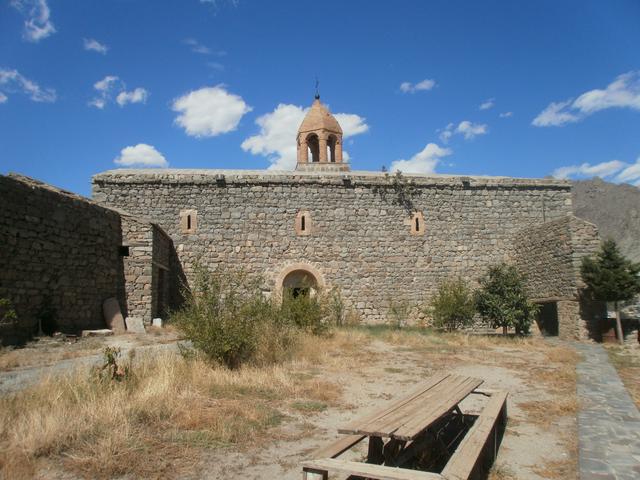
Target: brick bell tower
<point>319,141</point>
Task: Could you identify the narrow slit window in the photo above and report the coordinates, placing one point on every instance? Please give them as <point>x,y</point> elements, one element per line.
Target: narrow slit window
<point>417,223</point>
<point>302,223</point>
<point>189,222</point>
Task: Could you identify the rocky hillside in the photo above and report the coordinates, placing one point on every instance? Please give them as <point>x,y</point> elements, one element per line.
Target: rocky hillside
<point>615,209</point>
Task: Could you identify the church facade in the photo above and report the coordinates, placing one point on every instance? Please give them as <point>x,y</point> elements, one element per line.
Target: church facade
<point>379,239</point>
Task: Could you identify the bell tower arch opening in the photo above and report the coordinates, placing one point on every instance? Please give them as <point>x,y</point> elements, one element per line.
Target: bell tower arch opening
<point>320,141</point>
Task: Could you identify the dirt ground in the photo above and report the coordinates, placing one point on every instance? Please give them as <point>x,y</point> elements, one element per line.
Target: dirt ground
<point>378,365</point>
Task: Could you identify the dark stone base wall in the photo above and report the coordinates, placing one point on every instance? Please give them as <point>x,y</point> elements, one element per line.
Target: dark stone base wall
<point>59,257</point>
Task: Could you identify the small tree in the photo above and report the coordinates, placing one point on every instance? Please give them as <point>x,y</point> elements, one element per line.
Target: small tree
<point>453,306</point>
<point>502,300</point>
<point>610,277</point>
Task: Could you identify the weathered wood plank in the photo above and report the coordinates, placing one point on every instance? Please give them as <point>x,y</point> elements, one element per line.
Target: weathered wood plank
<point>338,447</point>
<point>368,470</point>
<point>422,419</point>
<point>356,425</point>
<point>480,440</point>
<point>434,396</point>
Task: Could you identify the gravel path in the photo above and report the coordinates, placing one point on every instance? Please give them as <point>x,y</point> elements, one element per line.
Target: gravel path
<point>608,420</point>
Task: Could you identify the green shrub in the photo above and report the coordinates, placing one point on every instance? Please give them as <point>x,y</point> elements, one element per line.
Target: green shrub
<point>398,313</point>
<point>502,300</point>
<point>453,306</point>
<point>7,313</point>
<point>221,315</point>
<point>305,311</point>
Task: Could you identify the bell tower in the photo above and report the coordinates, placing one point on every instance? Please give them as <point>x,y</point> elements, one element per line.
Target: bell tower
<point>319,141</point>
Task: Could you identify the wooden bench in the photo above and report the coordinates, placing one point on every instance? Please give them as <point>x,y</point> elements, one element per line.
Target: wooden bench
<point>405,422</point>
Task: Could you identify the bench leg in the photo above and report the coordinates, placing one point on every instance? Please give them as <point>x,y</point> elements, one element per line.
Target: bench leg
<point>375,455</point>
<point>312,474</point>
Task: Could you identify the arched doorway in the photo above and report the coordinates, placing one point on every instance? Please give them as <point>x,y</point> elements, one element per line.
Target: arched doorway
<point>299,282</point>
<point>299,279</point>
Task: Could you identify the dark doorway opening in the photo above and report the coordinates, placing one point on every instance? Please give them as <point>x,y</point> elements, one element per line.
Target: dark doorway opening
<point>547,319</point>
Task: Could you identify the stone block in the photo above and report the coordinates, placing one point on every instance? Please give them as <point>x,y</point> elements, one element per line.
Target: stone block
<point>102,332</point>
<point>113,316</point>
<point>135,325</point>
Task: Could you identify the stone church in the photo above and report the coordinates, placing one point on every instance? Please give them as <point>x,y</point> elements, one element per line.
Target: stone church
<point>378,238</point>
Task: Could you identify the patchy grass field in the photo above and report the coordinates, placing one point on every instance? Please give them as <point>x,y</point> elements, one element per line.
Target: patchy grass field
<point>177,418</point>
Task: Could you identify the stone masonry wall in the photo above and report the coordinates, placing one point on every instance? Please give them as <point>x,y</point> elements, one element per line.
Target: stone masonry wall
<point>550,256</point>
<point>360,237</point>
<point>58,252</point>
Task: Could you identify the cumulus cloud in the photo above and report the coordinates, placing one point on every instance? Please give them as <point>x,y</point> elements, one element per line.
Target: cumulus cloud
<point>209,111</point>
<point>487,104</point>
<point>37,25</point>
<point>278,129</point>
<point>107,88</point>
<point>623,92</point>
<point>91,44</point>
<point>506,114</point>
<point>141,155</point>
<point>426,84</point>
<point>424,161</point>
<point>139,95</point>
<point>11,81</point>
<point>467,129</point>
<point>631,174</point>
<point>604,170</point>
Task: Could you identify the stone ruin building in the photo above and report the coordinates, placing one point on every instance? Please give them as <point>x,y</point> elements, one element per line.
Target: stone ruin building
<point>376,237</point>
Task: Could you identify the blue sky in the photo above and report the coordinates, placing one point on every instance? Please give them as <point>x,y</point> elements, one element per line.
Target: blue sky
<point>465,87</point>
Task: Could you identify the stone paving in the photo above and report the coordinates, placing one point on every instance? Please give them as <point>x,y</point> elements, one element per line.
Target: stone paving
<point>608,420</point>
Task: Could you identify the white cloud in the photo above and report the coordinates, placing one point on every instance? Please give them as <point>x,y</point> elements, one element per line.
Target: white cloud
<point>196,46</point>
<point>487,104</point>
<point>209,111</point>
<point>506,114</point>
<point>91,44</point>
<point>12,81</point>
<point>139,95</point>
<point>631,174</point>
<point>110,84</point>
<point>3,98</point>
<point>623,92</point>
<point>424,161</point>
<point>467,129</point>
<point>604,169</point>
<point>38,24</point>
<point>141,155</point>
<point>277,137</point>
<point>426,84</point>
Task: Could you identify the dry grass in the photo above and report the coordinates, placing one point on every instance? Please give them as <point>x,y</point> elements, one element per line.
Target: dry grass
<point>52,352</point>
<point>627,363</point>
<point>167,409</point>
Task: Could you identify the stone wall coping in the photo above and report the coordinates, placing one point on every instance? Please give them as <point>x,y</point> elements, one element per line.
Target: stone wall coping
<point>210,176</point>
<point>34,183</point>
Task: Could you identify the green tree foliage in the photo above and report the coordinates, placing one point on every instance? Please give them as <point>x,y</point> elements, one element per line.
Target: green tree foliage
<point>502,300</point>
<point>453,306</point>
<point>7,313</point>
<point>610,277</point>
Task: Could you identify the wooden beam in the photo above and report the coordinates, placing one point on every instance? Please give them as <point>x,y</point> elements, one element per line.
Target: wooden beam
<point>377,472</point>
<point>339,447</point>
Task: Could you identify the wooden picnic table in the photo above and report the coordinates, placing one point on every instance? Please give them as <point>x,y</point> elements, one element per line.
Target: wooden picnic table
<point>399,430</point>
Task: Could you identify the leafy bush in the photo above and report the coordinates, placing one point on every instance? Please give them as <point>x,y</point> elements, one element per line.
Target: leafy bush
<point>7,313</point>
<point>398,313</point>
<point>453,306</point>
<point>221,314</point>
<point>502,300</point>
<point>305,311</point>
<point>112,369</point>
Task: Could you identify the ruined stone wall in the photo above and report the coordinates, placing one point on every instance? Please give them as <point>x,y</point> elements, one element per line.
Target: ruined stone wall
<point>149,280</point>
<point>360,237</point>
<point>58,256</point>
<point>550,256</point>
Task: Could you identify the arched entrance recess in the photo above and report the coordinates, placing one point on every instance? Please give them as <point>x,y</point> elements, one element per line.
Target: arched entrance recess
<point>299,279</point>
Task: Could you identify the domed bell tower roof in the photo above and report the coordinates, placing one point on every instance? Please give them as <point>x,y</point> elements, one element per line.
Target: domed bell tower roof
<point>319,141</point>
